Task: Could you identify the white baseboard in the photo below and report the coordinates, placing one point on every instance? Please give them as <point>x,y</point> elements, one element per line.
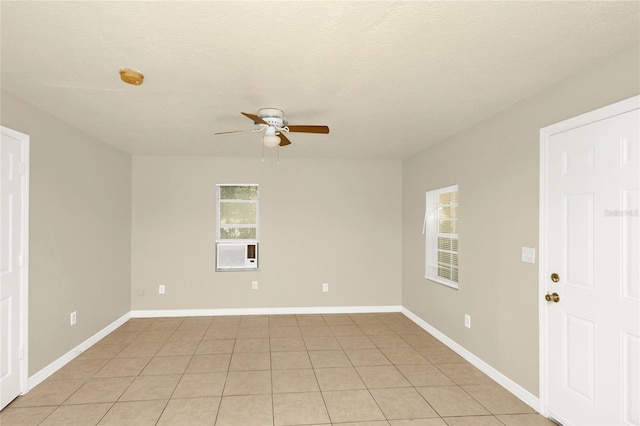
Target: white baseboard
<point>520,392</point>
<point>47,371</point>
<point>263,311</point>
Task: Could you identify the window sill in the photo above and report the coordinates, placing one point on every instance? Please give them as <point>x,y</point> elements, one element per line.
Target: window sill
<point>444,282</point>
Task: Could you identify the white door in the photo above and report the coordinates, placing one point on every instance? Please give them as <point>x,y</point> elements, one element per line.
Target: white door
<point>13,271</point>
<point>590,238</point>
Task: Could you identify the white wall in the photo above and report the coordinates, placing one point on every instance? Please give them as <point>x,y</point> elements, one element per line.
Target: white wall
<point>496,165</point>
<point>333,221</point>
<point>80,228</point>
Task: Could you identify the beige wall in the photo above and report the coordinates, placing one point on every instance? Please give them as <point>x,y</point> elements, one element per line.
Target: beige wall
<point>334,221</point>
<point>496,165</point>
<point>80,227</point>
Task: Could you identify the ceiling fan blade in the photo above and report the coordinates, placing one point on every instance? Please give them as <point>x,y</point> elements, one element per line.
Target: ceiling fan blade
<point>307,129</point>
<point>238,131</point>
<point>255,118</point>
<point>284,141</point>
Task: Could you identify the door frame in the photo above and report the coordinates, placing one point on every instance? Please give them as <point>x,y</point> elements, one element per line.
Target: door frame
<point>599,114</point>
<point>24,273</point>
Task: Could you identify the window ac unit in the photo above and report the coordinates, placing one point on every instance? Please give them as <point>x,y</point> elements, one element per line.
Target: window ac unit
<point>236,256</point>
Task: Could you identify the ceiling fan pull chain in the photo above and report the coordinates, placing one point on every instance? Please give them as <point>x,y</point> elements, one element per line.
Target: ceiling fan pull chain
<point>278,156</point>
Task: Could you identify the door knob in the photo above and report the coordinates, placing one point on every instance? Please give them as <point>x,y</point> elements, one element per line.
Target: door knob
<point>555,277</point>
<point>553,297</point>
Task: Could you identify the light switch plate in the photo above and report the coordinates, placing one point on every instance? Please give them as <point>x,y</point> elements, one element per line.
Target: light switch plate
<point>528,254</point>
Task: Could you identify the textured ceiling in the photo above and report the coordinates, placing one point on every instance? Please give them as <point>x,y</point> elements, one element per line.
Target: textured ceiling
<point>388,78</point>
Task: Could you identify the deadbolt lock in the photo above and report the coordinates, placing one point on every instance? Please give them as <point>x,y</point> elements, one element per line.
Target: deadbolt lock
<point>555,277</point>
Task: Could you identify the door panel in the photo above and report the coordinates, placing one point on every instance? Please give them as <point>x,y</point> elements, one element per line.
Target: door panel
<point>630,246</point>
<point>578,249</point>
<point>579,356</point>
<point>631,369</point>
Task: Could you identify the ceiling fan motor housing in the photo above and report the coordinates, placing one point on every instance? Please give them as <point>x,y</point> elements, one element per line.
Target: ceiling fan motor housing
<point>273,116</point>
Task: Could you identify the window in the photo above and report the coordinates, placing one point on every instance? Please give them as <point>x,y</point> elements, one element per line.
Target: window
<point>237,227</point>
<point>237,212</point>
<point>441,222</point>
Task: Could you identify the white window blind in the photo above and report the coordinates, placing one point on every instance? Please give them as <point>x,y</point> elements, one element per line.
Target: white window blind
<point>441,224</point>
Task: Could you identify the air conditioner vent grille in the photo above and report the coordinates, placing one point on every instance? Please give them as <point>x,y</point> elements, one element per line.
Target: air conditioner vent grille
<point>236,256</point>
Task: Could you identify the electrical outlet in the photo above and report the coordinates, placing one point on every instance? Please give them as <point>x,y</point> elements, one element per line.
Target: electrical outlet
<point>325,287</point>
<point>467,321</point>
<point>254,285</point>
<point>72,318</point>
<point>161,289</point>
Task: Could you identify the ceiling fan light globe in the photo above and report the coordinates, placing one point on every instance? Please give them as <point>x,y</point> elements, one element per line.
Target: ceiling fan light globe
<point>271,141</point>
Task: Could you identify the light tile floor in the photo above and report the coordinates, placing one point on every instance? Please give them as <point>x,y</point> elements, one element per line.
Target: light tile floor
<point>355,369</point>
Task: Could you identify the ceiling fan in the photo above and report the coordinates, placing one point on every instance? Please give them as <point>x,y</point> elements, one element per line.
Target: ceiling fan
<point>274,124</point>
